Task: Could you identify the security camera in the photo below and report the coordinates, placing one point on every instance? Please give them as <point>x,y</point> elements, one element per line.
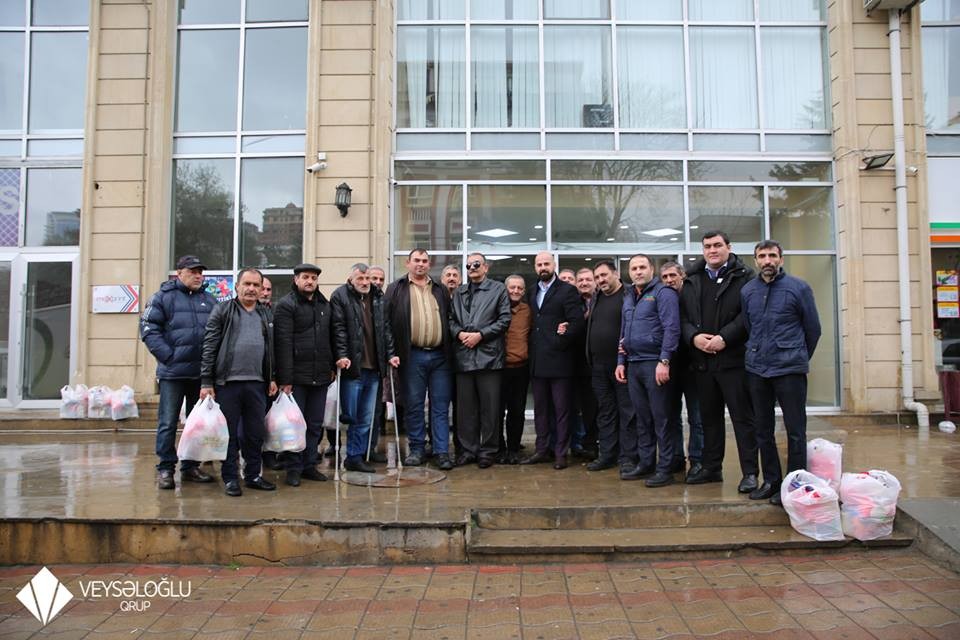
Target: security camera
<point>316,166</point>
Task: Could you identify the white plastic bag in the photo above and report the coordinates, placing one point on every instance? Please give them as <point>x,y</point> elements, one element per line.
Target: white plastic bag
<point>824,459</point>
<point>205,436</point>
<point>183,412</point>
<point>73,402</point>
<point>869,503</point>
<point>813,507</point>
<point>122,404</point>
<point>286,428</point>
<point>330,410</point>
<point>98,402</point>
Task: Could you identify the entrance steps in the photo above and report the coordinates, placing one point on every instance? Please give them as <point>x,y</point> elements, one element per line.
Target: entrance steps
<point>642,532</point>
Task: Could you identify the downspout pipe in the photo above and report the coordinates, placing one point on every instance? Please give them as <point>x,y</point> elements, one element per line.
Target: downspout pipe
<point>903,258</point>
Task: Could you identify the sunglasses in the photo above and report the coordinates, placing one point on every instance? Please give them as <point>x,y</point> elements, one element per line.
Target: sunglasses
<point>474,265</point>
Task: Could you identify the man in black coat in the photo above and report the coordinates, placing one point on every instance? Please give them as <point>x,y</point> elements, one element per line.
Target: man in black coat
<point>304,354</point>
<point>712,326</point>
<point>557,322</point>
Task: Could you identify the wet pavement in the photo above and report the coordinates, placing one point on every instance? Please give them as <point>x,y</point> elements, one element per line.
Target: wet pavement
<point>848,597</point>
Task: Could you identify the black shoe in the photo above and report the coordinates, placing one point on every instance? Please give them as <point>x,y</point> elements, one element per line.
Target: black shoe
<point>272,461</point>
<point>443,462</point>
<point>747,484</point>
<point>356,463</point>
<point>311,473</point>
<point>464,459</point>
<point>260,484</point>
<point>580,452</point>
<point>232,488</point>
<point>485,463</point>
<point>636,473</point>
<point>165,480</point>
<point>765,491</point>
<point>427,451</point>
<point>513,457</point>
<point>704,476</point>
<point>775,500</point>
<point>502,457</point>
<point>415,459</point>
<point>678,466</point>
<point>600,465</point>
<point>195,475</point>
<point>537,458</point>
<point>560,464</point>
<point>329,452</point>
<point>293,477</point>
<point>695,468</point>
<point>378,457</point>
<point>659,479</point>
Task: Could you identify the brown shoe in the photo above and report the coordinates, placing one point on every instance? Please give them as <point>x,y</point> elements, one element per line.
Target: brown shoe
<point>165,480</point>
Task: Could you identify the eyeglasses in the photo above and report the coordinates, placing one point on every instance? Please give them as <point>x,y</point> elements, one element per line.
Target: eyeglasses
<point>474,265</point>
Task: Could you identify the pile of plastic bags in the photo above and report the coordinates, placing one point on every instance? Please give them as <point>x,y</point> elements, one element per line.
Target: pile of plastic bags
<point>205,435</point>
<point>824,459</point>
<point>869,504</point>
<point>122,404</point>
<point>73,402</point>
<point>813,506</point>
<point>99,402</point>
<point>286,428</point>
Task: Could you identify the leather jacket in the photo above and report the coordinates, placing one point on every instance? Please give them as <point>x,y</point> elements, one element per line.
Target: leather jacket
<point>487,310</point>
<point>221,336</point>
<point>347,306</point>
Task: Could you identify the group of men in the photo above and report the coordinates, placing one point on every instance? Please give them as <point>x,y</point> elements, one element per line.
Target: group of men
<point>610,364</point>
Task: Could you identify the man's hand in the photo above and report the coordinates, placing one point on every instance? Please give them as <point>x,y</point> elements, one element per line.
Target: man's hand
<point>272,389</point>
<point>343,363</point>
<point>620,373</point>
<point>716,344</point>
<point>662,374</point>
<point>470,339</point>
<point>207,392</point>
<point>701,340</point>
<point>394,361</point>
<point>562,328</point>
<point>287,388</point>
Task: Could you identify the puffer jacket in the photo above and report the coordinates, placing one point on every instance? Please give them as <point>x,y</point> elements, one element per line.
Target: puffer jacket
<point>172,327</point>
<point>783,324</point>
<point>347,309</point>
<point>303,336</point>
<point>650,323</point>
<point>486,310</point>
<point>220,339</point>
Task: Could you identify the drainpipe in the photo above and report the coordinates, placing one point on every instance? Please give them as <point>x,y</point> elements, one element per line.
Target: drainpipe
<point>903,259</point>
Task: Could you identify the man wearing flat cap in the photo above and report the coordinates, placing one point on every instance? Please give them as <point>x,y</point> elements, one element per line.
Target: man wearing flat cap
<point>172,327</point>
<point>304,353</point>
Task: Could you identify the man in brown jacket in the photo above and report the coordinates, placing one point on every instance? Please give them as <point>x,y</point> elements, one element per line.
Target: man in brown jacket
<point>516,376</point>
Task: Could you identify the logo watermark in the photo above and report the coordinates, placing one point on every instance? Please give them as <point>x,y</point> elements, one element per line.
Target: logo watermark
<point>44,596</point>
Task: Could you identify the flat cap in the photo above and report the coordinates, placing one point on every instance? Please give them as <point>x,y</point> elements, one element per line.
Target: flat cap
<point>306,266</point>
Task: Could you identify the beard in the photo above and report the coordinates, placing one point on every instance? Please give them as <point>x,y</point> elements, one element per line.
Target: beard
<point>545,276</point>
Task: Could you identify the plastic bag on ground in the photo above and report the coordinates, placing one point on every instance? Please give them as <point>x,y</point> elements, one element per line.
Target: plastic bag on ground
<point>330,411</point>
<point>205,436</point>
<point>869,504</point>
<point>286,428</point>
<point>122,404</point>
<point>98,402</point>
<point>813,506</point>
<point>73,402</point>
<point>825,459</point>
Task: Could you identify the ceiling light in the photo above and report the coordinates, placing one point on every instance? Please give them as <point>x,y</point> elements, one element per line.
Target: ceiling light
<point>694,226</point>
<point>496,233</point>
<point>495,258</point>
<point>587,259</point>
<point>538,226</point>
<point>533,239</point>
<point>611,239</point>
<point>660,233</point>
<point>624,226</point>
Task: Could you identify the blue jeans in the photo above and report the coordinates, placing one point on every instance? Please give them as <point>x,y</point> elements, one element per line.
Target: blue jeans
<point>358,399</point>
<point>650,401</point>
<point>172,395</point>
<point>428,371</point>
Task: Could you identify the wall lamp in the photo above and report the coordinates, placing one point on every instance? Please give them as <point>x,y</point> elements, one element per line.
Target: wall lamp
<point>342,199</point>
<point>876,161</point>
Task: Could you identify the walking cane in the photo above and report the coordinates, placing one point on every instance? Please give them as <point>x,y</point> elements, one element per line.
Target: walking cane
<point>373,419</point>
<point>336,448</point>
<point>396,421</point>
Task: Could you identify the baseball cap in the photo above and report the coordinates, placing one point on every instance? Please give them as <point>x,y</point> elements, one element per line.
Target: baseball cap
<point>189,262</point>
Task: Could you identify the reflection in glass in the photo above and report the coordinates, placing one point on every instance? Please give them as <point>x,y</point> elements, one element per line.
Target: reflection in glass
<point>653,141</point>
<point>209,11</point>
<point>205,145</point>
<point>431,9</point>
<point>275,79</point>
<point>505,218</point>
<point>652,93</point>
<point>58,81</point>
<point>711,171</point>
<point>577,77</point>
<point>722,10</point>
<point>431,141</point>
<point>46,336</point>
<point>723,70</point>
<point>52,148</point>
<point>584,9</point>
<point>940,10</point>
<point>12,14</point>
<point>793,78</point>
<point>429,217</point>
<point>9,207</point>
<point>579,141</point>
<point>795,142</point>
<point>784,10</point>
<point>53,207</point>
<point>274,11</point>
<point>618,218</point>
<point>207,80</point>
<point>736,210</point>
<point>271,212</point>
<point>821,274</point>
<point>726,142</point>
<point>4,326</point>
<point>11,81</point>
<point>203,211</point>
<point>502,266</point>
<point>504,10</point>
<point>506,76</point>
<point>272,144</point>
<point>801,217</point>
<point>650,10</point>
<point>941,77</point>
<point>505,141</point>
<point>470,170</point>
<point>621,170</point>
<point>430,77</point>
<point>60,13</point>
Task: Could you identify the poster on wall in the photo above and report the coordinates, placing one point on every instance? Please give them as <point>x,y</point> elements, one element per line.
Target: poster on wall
<point>220,287</point>
<point>948,310</point>
<point>947,294</point>
<point>947,277</point>
<point>116,298</point>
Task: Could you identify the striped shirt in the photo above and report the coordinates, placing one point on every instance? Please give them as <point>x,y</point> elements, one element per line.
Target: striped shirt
<point>426,326</point>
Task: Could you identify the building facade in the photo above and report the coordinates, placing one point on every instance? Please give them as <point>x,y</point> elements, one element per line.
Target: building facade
<point>134,132</point>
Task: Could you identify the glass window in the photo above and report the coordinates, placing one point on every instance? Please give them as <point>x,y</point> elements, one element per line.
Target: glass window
<point>652,91</point>
<point>793,78</point>
<point>711,171</point>
<point>276,10</point>
<point>9,208</point>
<point>721,10</point>
<point>274,79</point>
<point>821,274</point>
<point>59,13</point>
<point>209,11</point>
<point>506,218</point>
<point>620,170</point>
<point>432,141</point>
<point>430,10</point>
<point>940,10</point>
<point>272,144</point>
<point>5,301</point>
<point>618,218</point>
<point>941,77</point>
<point>576,9</point>
<point>723,77</point>
<point>429,217</point>
<point>506,76</point>
<point>793,10</point>
<point>736,210</point>
<point>726,142</point>
<point>12,14</point>
<point>430,77</point>
<point>505,141</point>
<point>11,81</point>
<point>577,76</point>
<point>207,80</point>
<point>502,266</point>
<point>504,10</point>
<point>203,211</point>
<point>802,217</point>
<point>271,212</point>
<point>470,170</point>
<point>46,339</point>
<point>650,10</point>
<point>53,207</point>
<point>58,81</point>
<point>653,141</point>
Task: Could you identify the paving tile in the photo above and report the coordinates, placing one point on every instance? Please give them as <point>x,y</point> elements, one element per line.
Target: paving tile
<point>547,616</point>
<point>649,611</point>
<point>916,572</point>
<point>946,632</point>
<point>876,618</point>
<point>950,600</point>
<point>777,579</point>
<point>393,633</point>
<point>439,619</point>
<point>608,630</point>
<point>753,606</point>
<point>901,600</point>
<point>665,627</point>
<point>234,607</point>
<point>233,634</point>
<point>938,584</point>
<point>335,633</point>
<point>731,581</point>
<point>936,616</point>
<point>445,632</point>
<point>901,632</point>
<point>168,623</point>
<point>783,634</point>
<point>804,605</point>
<point>768,621</point>
<point>64,634</point>
<point>118,635</point>
<point>596,615</point>
<point>856,602</point>
<point>692,595</point>
<point>852,632</point>
<point>836,589</point>
<point>499,631</point>
<point>230,623</point>
<point>283,622</point>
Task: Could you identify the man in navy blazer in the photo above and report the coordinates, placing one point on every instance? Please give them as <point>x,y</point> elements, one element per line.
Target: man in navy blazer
<point>557,322</point>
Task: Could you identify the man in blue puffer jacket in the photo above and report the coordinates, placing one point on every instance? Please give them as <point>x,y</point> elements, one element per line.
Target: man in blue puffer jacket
<point>172,327</point>
<point>783,326</point>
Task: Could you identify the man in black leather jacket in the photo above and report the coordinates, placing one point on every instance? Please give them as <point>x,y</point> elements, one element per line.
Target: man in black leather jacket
<point>363,347</point>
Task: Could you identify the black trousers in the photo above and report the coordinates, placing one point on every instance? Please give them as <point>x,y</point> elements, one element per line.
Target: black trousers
<point>791,392</point>
<point>614,408</point>
<point>312,401</point>
<point>514,382</point>
<point>727,387</point>
<point>246,401</point>
<point>478,403</point>
<point>587,407</point>
<point>652,443</point>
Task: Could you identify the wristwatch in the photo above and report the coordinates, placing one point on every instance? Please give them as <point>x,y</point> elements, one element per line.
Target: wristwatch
<point>665,362</point>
